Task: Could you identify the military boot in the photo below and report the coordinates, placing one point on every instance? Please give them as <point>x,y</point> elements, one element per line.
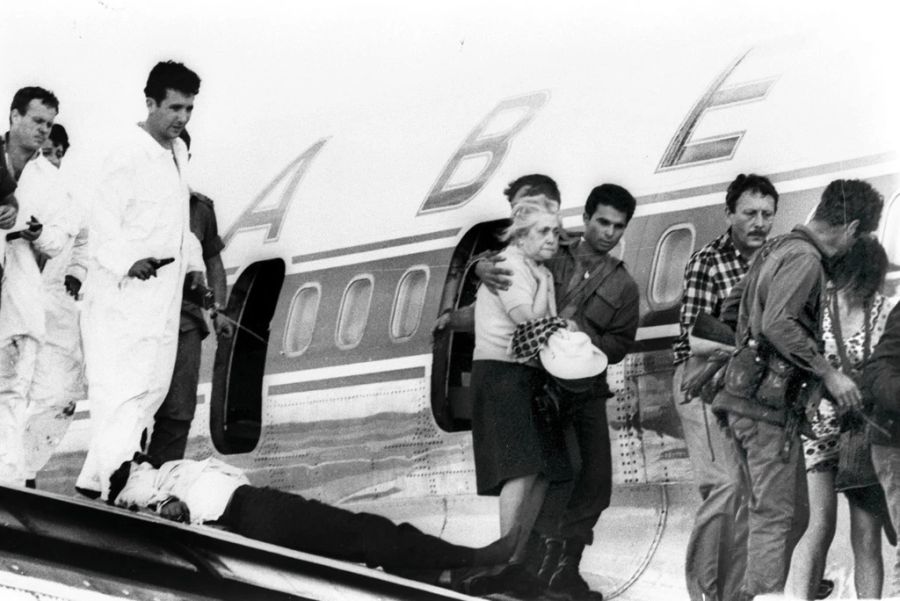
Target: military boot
<point>552,552</point>
<point>567,583</point>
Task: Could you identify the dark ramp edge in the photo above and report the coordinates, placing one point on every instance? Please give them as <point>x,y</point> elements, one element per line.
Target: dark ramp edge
<point>95,547</point>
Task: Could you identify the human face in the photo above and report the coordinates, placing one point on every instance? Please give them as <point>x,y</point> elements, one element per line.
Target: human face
<point>751,221</point>
<point>53,152</point>
<point>166,119</point>
<point>31,129</point>
<point>542,240</point>
<point>604,229</point>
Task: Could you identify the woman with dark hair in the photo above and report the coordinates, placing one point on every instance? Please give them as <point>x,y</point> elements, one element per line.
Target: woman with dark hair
<point>839,459</point>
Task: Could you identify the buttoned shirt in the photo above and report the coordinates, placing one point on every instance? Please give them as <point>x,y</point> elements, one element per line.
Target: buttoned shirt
<point>709,276</point>
<point>204,486</point>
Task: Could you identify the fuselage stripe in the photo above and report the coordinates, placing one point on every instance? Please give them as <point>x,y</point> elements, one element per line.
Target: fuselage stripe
<point>328,254</point>
<point>373,378</point>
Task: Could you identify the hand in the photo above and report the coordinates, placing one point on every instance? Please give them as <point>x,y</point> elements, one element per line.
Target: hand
<point>33,231</point>
<point>73,285</point>
<point>195,279</point>
<point>8,216</point>
<point>143,269</point>
<point>224,328</point>
<point>842,389</point>
<point>441,323</point>
<point>175,510</point>
<point>495,278</point>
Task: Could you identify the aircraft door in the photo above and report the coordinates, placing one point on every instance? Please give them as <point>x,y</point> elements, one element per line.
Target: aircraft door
<point>451,399</point>
<point>237,389</point>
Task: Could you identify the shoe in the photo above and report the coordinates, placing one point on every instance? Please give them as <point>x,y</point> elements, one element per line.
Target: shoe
<point>826,587</point>
<point>552,553</point>
<point>521,583</point>
<point>567,583</point>
<point>479,581</point>
<point>87,492</point>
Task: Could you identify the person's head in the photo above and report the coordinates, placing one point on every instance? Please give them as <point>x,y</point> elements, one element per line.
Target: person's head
<point>535,184</point>
<point>859,273</point>
<point>56,145</point>
<point>535,227</point>
<point>134,472</point>
<point>848,209</point>
<point>170,92</point>
<point>607,211</point>
<point>31,116</point>
<point>750,206</point>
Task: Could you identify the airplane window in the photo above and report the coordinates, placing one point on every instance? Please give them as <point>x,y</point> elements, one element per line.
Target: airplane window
<point>408,303</point>
<point>672,254</point>
<point>302,320</point>
<point>890,225</point>
<point>354,313</point>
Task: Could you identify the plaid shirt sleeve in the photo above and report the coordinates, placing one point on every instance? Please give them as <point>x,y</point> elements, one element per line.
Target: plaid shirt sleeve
<point>699,295</point>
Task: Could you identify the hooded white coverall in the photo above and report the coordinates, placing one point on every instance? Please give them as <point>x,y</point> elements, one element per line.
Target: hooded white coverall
<point>130,326</point>
<point>23,304</point>
<point>58,382</point>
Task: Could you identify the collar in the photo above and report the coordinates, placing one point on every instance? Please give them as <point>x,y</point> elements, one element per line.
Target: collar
<point>583,254</point>
<point>807,234</point>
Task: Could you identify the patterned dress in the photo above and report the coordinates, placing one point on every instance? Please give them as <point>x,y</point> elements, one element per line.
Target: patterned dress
<point>822,454</point>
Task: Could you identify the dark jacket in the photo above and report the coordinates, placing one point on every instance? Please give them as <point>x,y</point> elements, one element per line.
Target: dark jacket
<point>881,381</point>
<point>609,315</point>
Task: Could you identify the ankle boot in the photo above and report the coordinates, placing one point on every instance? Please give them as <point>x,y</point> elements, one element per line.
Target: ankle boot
<point>552,552</point>
<point>567,583</point>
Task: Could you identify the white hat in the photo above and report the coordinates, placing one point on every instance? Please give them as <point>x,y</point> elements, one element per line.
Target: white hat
<point>571,356</point>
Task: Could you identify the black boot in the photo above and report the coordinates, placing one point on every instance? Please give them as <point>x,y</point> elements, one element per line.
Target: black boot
<point>552,552</point>
<point>567,583</point>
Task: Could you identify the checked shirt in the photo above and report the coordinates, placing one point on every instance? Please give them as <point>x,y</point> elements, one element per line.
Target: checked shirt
<point>708,278</point>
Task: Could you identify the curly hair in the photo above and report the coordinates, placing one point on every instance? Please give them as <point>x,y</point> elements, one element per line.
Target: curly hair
<point>846,200</point>
<point>861,271</point>
<point>753,183</point>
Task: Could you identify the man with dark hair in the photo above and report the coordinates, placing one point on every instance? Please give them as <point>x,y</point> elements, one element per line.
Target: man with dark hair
<point>172,421</point>
<point>531,185</point>
<point>56,145</point>
<point>595,291</point>
<point>58,382</point>
<point>23,302</point>
<point>211,491</point>
<point>777,367</point>
<point>142,249</point>
<point>716,553</point>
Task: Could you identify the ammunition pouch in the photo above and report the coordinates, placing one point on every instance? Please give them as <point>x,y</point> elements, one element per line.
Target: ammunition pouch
<point>760,373</point>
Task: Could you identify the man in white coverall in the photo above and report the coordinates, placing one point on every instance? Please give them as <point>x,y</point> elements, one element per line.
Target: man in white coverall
<point>41,231</point>
<point>59,370</point>
<point>132,301</point>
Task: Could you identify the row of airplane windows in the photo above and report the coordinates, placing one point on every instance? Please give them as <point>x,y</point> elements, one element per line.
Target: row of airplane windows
<point>673,250</point>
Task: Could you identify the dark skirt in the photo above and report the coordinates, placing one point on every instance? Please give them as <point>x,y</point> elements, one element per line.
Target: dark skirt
<point>507,440</point>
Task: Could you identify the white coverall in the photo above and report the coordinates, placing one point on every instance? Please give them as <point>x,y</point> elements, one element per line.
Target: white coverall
<point>23,302</point>
<point>59,370</point>
<point>130,326</point>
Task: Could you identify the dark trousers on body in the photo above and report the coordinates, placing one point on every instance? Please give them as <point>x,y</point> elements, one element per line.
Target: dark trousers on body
<point>172,421</point>
<point>306,525</point>
<point>571,509</point>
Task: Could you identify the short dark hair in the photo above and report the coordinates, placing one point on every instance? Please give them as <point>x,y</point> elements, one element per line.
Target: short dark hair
<point>59,136</point>
<point>119,478</point>
<point>611,195</point>
<point>845,200</point>
<point>753,183</point>
<point>537,183</point>
<point>170,75</point>
<point>24,96</point>
<point>862,269</point>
